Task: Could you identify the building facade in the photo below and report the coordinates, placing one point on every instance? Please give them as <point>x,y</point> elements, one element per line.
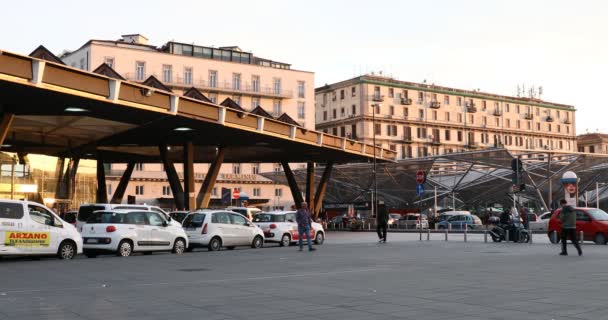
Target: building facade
<point>593,143</point>
<point>218,73</point>
<point>418,120</point>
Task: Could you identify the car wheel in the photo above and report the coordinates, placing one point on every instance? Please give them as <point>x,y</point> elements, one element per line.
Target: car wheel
<point>67,250</point>
<point>524,237</point>
<point>179,246</point>
<point>257,243</point>
<point>599,239</point>
<point>319,238</point>
<point>215,244</point>
<point>285,240</point>
<point>553,237</point>
<point>231,247</point>
<point>125,248</point>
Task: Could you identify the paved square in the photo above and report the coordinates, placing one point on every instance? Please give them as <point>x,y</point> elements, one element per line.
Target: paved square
<point>349,277</point>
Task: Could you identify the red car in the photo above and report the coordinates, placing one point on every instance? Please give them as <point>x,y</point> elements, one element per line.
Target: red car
<point>591,221</point>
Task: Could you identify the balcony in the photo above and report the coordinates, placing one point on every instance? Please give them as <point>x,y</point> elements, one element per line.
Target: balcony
<point>435,142</point>
<point>377,98</point>
<point>567,121</point>
<point>528,116</point>
<point>497,113</point>
<point>406,101</point>
<point>471,109</point>
<point>435,104</point>
<point>407,139</point>
<point>549,119</point>
<point>244,88</point>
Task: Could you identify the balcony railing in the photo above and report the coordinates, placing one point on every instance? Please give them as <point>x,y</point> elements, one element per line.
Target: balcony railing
<point>497,113</point>
<point>549,119</point>
<point>377,98</point>
<point>223,86</point>
<point>435,104</point>
<point>567,121</point>
<point>471,109</point>
<point>407,138</point>
<point>528,116</point>
<point>406,101</point>
<point>435,141</point>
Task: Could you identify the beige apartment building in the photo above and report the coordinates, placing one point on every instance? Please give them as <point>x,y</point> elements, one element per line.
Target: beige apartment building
<point>252,82</point>
<point>593,143</point>
<point>418,120</point>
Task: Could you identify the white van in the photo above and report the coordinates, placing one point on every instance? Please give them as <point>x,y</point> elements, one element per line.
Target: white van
<point>29,228</point>
<point>85,211</point>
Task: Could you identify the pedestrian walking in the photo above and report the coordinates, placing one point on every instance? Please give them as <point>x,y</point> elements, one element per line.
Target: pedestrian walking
<point>304,224</point>
<point>382,222</point>
<point>568,219</point>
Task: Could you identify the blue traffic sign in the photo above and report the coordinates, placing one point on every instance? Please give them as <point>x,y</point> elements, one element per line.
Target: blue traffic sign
<point>419,189</point>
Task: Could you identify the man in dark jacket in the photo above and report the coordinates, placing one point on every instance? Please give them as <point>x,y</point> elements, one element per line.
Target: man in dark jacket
<point>304,221</point>
<point>568,219</point>
<point>382,222</point>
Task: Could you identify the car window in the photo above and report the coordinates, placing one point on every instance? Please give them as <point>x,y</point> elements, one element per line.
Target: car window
<point>131,208</point>
<point>137,218</point>
<point>598,214</point>
<point>84,212</point>
<point>290,217</point>
<point>106,217</point>
<point>70,217</point>
<point>262,217</point>
<point>582,216</point>
<point>194,220</point>
<point>238,219</point>
<point>155,219</point>
<point>545,216</point>
<point>43,216</point>
<point>11,211</point>
<point>221,217</point>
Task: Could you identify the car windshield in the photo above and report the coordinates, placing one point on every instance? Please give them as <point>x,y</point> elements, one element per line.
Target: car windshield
<point>598,214</point>
<point>264,217</point>
<point>106,217</point>
<point>84,212</point>
<point>194,220</point>
<point>395,216</point>
<point>179,216</point>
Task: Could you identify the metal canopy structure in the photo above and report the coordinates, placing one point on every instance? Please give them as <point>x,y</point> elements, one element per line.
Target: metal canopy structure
<point>52,109</point>
<point>470,179</point>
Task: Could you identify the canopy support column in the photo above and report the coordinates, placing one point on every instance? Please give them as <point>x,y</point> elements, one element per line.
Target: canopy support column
<point>122,185</point>
<point>5,125</point>
<point>320,195</point>
<point>204,195</point>
<point>293,185</point>
<point>102,191</point>
<point>310,185</point>
<point>173,177</point>
<point>189,199</point>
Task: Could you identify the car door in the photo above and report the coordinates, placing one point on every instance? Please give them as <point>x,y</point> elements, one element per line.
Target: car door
<point>138,226</point>
<point>242,231</point>
<point>291,225</point>
<point>12,225</point>
<point>584,224</point>
<point>224,226</point>
<point>161,236</point>
<point>44,231</point>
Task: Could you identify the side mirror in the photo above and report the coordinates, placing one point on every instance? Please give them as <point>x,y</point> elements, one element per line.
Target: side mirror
<point>165,223</point>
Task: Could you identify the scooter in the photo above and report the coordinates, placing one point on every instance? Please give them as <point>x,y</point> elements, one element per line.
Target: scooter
<point>517,233</point>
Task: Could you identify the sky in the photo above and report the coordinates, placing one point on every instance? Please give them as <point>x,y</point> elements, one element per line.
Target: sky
<point>467,44</point>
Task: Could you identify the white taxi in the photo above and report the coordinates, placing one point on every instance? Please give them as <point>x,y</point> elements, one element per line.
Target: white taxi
<point>215,229</point>
<point>281,227</point>
<point>126,231</point>
<point>29,228</point>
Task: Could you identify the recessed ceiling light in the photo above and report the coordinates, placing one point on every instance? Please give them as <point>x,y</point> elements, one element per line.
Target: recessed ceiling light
<point>75,109</point>
<point>6,146</point>
<point>183,129</point>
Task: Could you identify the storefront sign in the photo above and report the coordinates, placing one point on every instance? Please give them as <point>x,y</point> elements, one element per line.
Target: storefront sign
<point>239,177</point>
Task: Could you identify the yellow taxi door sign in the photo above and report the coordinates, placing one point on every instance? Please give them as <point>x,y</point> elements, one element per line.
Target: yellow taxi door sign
<point>27,239</point>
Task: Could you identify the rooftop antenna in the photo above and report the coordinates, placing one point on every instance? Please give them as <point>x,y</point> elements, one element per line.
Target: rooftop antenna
<point>518,91</point>
<point>540,92</point>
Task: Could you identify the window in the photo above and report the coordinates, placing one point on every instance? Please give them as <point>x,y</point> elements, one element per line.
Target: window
<point>237,99</point>
<point>278,192</point>
<point>276,85</point>
<point>255,168</point>
<point>353,131</point>
<point>377,109</point>
<point>549,127</point>
<point>334,131</point>
<point>214,192</point>
<point>334,113</point>
<point>353,110</point>
<point>139,218</point>
<point>342,112</point>
<point>11,211</point>
<point>391,110</point>
<point>484,120</point>
<point>301,110</point>
<point>459,101</point>
<point>301,89</point>
<point>483,105</point>
<point>255,102</point>
<point>276,107</point>
<point>460,118</point>
<point>567,129</point>
<point>391,130</point>
<point>221,217</point>
<point>353,91</point>
<point>167,73</point>
<point>139,190</point>
<point>508,123</point>
<point>166,191</point>
<point>446,100</point>
<point>497,122</point>
<point>342,94</point>
<point>257,192</point>
<point>324,115</point>
<point>238,219</point>
<point>406,112</point>
<point>391,93</point>
<point>377,129</point>
<point>377,93</point>
<point>82,64</point>
<point>188,75</point>
<point>517,109</point>
<point>538,126</point>
<point>213,97</point>
<point>255,83</point>
<point>140,71</point>
<point>471,119</point>
<point>333,96</point>
<point>559,128</point>
<point>139,167</point>
<point>447,135</point>
<point>421,114</point>
<point>277,167</point>
<point>421,133</point>
<point>236,168</point>
<point>507,107</point>
<point>434,115</point>
<point>154,219</point>
<point>342,131</point>
<point>420,97</point>
<point>447,116</point>
<point>212,79</point>
<point>518,124</point>
<point>109,61</point>
<point>459,136</point>
<point>236,81</point>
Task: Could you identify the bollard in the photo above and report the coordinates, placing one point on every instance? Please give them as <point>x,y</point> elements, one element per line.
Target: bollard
<point>428,234</point>
<point>530,234</point>
<point>485,236</point>
<point>555,236</point>
<point>450,226</point>
<point>581,237</point>
<point>465,232</point>
<point>446,234</point>
<point>506,235</point>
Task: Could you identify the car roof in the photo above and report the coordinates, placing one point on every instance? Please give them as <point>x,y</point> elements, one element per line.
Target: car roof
<point>456,212</point>
<point>277,212</point>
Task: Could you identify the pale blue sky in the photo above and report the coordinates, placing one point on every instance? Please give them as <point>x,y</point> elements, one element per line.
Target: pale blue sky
<point>468,44</point>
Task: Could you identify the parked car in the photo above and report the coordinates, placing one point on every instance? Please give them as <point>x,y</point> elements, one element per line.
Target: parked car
<point>178,216</point>
<point>591,221</point>
<point>245,211</point>
<point>29,228</point>
<point>124,231</point>
<point>85,211</point>
<point>448,214</point>
<point>413,221</point>
<point>393,218</point>
<point>215,229</point>
<point>541,223</point>
<point>460,220</point>
<point>281,227</point>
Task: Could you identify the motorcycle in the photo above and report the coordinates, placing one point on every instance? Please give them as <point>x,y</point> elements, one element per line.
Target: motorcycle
<point>517,233</point>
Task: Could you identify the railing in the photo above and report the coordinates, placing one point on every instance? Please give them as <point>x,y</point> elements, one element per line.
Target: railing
<point>407,139</point>
<point>497,113</point>
<point>528,116</point>
<point>377,98</point>
<point>406,101</point>
<point>549,119</point>
<point>225,86</point>
<point>436,142</point>
<point>435,104</point>
<point>567,121</point>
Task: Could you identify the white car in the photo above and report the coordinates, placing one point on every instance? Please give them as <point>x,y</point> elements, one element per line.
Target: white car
<point>29,228</point>
<point>281,227</point>
<point>215,229</point>
<point>412,221</point>
<point>541,223</point>
<point>245,211</point>
<point>126,231</point>
<point>85,211</point>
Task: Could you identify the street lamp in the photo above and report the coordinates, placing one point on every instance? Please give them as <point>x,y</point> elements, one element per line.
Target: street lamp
<point>375,192</point>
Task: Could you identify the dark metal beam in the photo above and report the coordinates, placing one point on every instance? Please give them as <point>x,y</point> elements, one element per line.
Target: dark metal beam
<point>189,199</point>
<point>310,185</point>
<point>102,191</point>
<point>293,185</point>
<point>320,195</point>
<point>122,185</point>
<point>5,125</point>
<point>59,177</point>
<point>173,177</point>
<point>204,195</point>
